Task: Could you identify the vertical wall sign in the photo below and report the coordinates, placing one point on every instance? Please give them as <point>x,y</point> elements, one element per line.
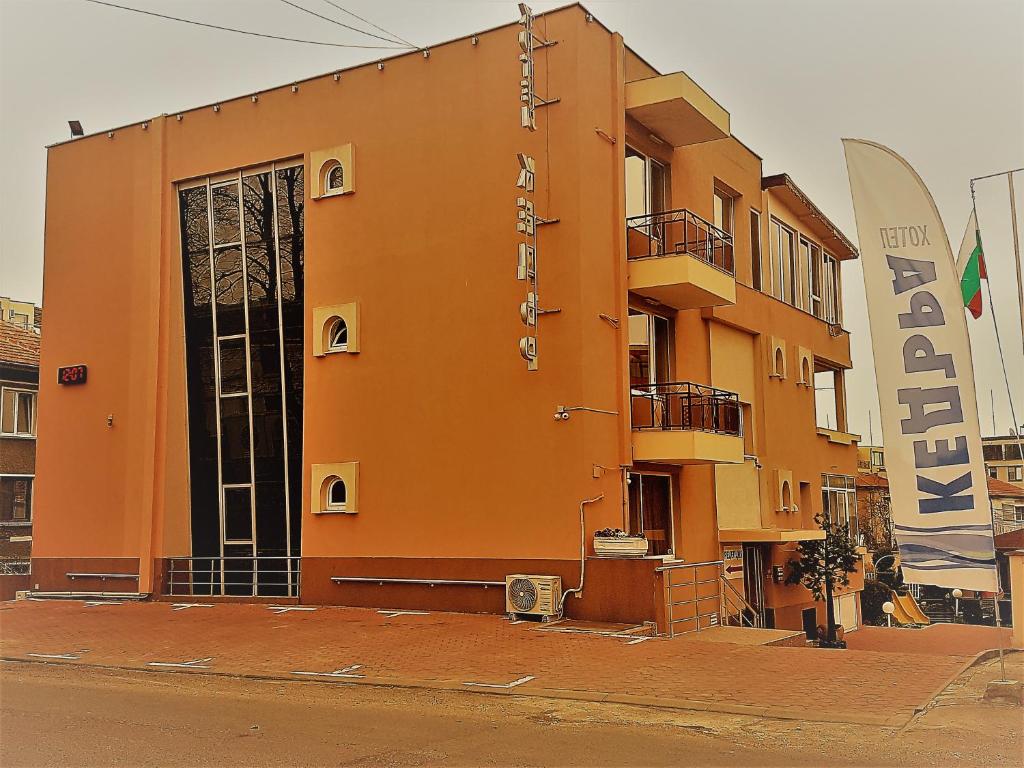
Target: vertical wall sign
<point>527,95</point>
<point>526,219</point>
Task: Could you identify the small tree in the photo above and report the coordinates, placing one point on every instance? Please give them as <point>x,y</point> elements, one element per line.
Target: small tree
<point>825,564</point>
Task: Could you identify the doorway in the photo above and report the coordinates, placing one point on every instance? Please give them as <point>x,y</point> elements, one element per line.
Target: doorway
<point>753,578</point>
<point>650,510</point>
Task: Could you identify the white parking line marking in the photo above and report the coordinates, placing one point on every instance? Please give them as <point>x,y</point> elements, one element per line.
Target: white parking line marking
<point>194,664</point>
<point>183,606</point>
<point>68,656</point>
<point>636,640</point>
<point>286,608</point>
<point>344,672</point>
<point>393,614</point>
<point>94,603</point>
<point>513,684</point>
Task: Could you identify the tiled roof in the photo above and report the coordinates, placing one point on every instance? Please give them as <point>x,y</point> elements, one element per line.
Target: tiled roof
<point>18,346</point>
<point>1011,539</point>
<point>996,487</point>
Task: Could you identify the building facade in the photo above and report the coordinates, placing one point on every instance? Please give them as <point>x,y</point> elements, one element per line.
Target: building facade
<point>397,332</point>
<point>1003,459</point>
<point>19,385</point>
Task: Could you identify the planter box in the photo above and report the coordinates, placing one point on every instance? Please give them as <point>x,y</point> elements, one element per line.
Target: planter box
<point>620,546</point>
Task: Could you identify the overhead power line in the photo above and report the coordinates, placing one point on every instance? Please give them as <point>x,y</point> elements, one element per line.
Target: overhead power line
<point>365,21</point>
<point>298,7</point>
<point>241,31</point>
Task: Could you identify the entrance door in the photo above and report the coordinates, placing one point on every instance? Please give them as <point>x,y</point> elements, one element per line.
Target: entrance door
<point>650,510</point>
<point>753,578</point>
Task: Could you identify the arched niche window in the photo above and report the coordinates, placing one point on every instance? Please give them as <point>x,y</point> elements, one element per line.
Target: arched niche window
<point>337,340</point>
<point>337,495</point>
<point>787,496</point>
<point>335,178</point>
<point>780,362</point>
<point>807,371</point>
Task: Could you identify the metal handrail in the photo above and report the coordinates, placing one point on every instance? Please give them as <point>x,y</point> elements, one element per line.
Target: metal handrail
<point>751,619</point>
<point>679,231</point>
<point>429,582</point>
<point>686,406</point>
<point>101,576</point>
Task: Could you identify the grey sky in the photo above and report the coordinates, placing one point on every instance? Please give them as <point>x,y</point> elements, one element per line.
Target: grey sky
<point>940,82</point>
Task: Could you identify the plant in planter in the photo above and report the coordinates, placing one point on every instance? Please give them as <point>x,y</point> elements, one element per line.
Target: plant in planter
<point>615,542</point>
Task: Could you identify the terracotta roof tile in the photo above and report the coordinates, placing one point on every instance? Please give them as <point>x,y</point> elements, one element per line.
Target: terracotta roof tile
<point>996,487</point>
<point>18,346</point>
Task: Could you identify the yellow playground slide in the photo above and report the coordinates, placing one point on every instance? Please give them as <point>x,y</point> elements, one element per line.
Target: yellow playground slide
<point>907,611</point>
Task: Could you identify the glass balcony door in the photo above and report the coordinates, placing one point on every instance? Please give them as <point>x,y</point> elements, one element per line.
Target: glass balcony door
<point>650,510</point>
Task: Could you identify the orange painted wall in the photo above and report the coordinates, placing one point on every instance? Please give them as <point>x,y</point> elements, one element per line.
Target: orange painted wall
<point>459,453</point>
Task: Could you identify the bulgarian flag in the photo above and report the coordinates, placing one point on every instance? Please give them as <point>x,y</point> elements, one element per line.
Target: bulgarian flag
<point>970,265</point>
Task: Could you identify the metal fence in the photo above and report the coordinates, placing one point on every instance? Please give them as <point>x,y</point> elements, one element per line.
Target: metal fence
<point>15,567</point>
<point>679,231</point>
<point>269,576</point>
<point>685,405</point>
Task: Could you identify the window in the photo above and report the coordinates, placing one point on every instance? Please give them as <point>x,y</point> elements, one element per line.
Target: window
<point>18,318</point>
<point>1018,514</point>
<point>338,340</point>
<point>755,250</point>
<point>1015,474</point>
<point>832,305</point>
<point>15,500</point>
<point>724,209</point>
<point>877,458</point>
<point>783,255</point>
<point>646,194</point>
<point>839,502</point>
<point>993,472</point>
<point>337,495</point>
<point>336,178</point>
<point>992,452</point>
<point>17,412</point>
<point>649,361</point>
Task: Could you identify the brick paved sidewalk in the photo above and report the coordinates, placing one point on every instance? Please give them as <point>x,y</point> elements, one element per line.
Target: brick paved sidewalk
<point>440,650</point>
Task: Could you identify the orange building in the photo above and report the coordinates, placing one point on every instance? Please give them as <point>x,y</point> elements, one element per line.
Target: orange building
<point>392,334</point>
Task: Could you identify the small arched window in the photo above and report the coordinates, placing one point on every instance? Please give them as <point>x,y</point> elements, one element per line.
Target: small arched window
<point>336,178</point>
<point>807,371</point>
<point>787,496</point>
<point>780,362</point>
<point>337,340</point>
<point>337,495</point>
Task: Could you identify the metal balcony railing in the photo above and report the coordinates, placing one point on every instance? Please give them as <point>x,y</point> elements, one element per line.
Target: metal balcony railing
<point>272,576</point>
<point>686,406</point>
<point>676,232</point>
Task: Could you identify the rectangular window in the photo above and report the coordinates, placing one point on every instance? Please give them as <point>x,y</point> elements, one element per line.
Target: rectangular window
<point>829,406</point>
<point>992,452</point>
<point>1015,474</point>
<point>839,502</point>
<point>783,261</point>
<point>832,304</point>
<point>755,250</point>
<point>649,345</point>
<point>724,209</point>
<point>16,500</point>
<point>17,412</point>
<point>993,472</point>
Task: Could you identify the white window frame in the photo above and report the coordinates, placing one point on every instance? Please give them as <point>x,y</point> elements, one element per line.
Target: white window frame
<point>17,404</point>
<point>332,506</point>
<point>31,501</point>
<point>331,346</point>
<point>1015,474</point>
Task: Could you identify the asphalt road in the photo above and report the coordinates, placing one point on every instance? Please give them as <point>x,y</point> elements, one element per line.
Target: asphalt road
<point>53,715</point>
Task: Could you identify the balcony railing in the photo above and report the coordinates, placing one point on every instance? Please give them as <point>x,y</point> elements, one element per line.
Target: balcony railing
<point>271,576</point>
<point>672,233</point>
<point>685,406</point>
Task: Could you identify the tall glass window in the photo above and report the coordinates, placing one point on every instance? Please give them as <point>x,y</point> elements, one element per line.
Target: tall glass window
<point>242,255</point>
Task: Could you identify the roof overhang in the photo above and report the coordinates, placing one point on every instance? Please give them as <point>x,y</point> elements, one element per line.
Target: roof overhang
<point>832,238</point>
<point>676,109</point>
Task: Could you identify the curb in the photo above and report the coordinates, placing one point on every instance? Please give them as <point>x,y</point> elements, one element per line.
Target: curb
<point>636,700</point>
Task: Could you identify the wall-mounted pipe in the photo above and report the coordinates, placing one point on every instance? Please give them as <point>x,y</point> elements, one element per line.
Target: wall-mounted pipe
<point>578,591</point>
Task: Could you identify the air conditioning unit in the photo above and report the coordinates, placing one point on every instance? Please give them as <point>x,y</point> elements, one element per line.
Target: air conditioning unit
<point>532,595</point>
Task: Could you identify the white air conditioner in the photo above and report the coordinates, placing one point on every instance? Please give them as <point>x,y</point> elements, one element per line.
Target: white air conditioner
<point>532,595</point>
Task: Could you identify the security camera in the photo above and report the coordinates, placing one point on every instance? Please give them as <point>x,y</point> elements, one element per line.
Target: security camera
<point>564,415</point>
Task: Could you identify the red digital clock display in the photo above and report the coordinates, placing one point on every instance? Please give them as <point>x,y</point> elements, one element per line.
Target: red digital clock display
<point>72,374</point>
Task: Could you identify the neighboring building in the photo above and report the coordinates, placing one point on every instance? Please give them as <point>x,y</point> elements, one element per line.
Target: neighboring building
<point>1003,459</point>
<point>871,459</point>
<point>1007,505</point>
<point>23,314</point>
<point>19,385</point>
<point>348,384</point>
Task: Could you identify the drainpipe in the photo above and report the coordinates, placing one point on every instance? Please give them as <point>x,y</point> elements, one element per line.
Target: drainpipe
<point>578,591</point>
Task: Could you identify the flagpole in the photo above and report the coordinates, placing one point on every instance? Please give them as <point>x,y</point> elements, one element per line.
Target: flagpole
<point>1016,259</point>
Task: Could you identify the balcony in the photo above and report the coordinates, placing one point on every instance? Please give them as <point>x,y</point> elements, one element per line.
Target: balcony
<point>685,423</point>
<point>681,260</point>
<point>676,109</point>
